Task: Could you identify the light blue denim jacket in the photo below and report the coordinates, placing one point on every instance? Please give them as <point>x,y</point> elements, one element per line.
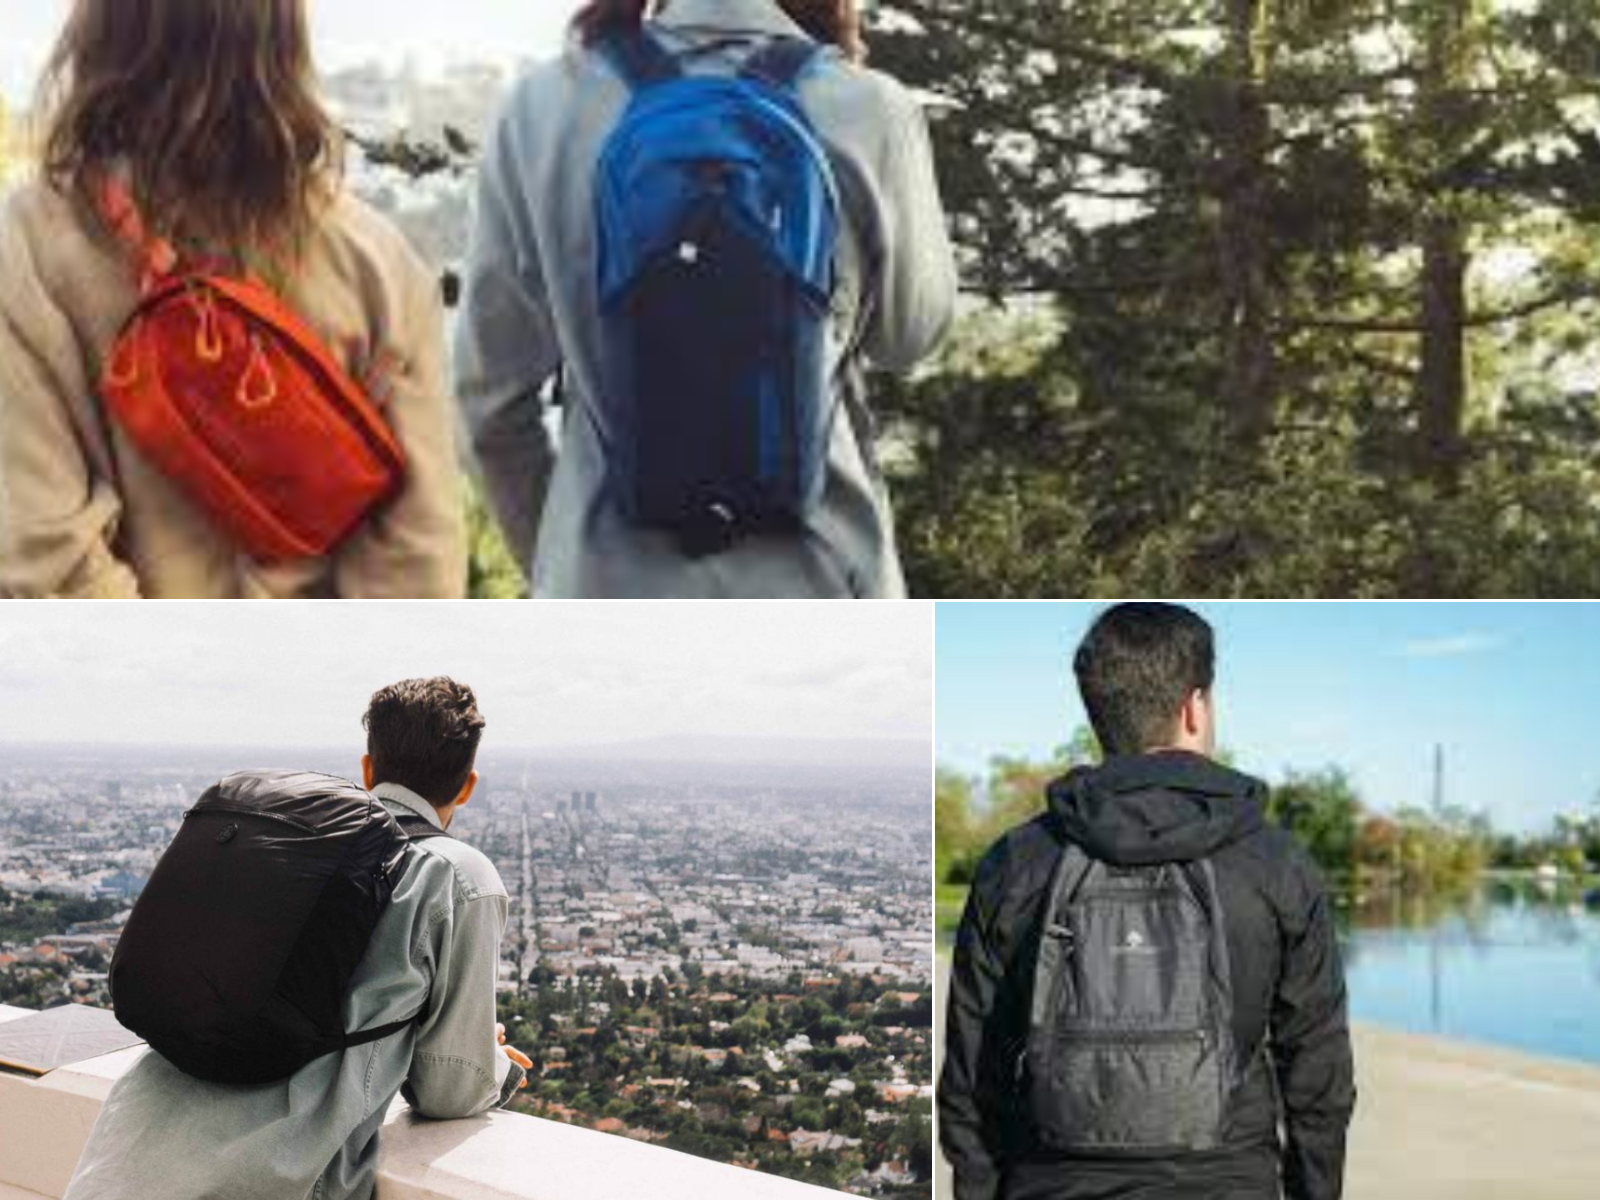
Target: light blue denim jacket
<point>531,307</point>
<point>314,1136</point>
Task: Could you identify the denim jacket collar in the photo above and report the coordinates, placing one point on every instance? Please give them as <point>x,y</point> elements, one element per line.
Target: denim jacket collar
<point>396,793</point>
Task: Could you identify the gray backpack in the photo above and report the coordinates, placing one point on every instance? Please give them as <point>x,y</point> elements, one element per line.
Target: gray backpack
<point>1130,1041</point>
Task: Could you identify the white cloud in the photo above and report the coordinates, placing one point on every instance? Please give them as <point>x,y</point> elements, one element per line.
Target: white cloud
<point>1459,645</point>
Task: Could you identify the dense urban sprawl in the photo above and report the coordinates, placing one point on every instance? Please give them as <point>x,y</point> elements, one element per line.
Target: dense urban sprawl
<point>727,959</point>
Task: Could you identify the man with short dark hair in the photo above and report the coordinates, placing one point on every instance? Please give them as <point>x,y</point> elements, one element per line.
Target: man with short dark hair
<point>431,969</point>
<point>422,744</point>
<point>1146,998</point>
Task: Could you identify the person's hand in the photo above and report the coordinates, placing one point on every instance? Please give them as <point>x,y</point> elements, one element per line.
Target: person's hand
<point>515,1055</point>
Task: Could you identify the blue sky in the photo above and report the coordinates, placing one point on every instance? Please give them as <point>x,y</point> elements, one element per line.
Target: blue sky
<point>345,29</point>
<point>1512,691</point>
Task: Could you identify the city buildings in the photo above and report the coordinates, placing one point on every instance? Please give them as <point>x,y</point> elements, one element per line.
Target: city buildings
<point>729,959</point>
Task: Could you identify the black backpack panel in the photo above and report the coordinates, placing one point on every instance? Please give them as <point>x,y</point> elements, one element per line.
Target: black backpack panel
<point>238,955</point>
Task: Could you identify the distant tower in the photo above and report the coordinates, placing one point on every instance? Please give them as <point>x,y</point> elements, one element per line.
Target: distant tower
<point>1438,781</point>
<point>1435,950</point>
<point>114,794</point>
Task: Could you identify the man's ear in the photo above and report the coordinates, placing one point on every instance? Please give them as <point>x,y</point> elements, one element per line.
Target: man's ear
<point>368,775</point>
<point>466,791</point>
<point>1200,721</point>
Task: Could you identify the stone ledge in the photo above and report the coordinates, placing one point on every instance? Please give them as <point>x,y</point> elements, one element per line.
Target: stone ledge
<point>44,1124</point>
<point>508,1156</point>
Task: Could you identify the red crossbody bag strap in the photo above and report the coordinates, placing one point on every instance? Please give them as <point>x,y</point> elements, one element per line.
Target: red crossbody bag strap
<point>154,256</point>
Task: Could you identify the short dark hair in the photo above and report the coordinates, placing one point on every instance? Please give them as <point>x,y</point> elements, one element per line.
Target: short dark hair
<point>1136,667</point>
<point>423,734</point>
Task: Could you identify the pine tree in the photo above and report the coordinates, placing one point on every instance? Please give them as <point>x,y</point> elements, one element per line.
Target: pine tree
<point>1289,289</point>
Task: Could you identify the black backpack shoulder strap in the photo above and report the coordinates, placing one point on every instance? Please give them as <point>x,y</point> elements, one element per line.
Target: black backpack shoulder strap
<point>1055,944</point>
<point>1201,876</point>
<point>367,1036</point>
<point>640,59</point>
<point>782,62</point>
<point>419,829</point>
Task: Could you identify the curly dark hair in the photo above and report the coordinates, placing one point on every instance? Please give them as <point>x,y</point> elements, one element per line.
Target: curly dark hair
<point>423,734</point>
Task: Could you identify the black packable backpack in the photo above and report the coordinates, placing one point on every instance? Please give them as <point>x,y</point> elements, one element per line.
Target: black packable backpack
<point>238,954</point>
<point>1130,1040</point>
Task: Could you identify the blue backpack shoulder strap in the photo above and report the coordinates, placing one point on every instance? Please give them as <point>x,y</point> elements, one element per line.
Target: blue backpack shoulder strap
<point>641,60</point>
<point>782,62</point>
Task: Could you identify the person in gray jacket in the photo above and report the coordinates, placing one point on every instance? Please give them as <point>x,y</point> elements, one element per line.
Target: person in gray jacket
<point>531,309</point>
<point>315,1134</point>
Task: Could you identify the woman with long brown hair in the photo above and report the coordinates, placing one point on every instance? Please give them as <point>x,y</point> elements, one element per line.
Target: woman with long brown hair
<point>536,311</point>
<point>193,128</point>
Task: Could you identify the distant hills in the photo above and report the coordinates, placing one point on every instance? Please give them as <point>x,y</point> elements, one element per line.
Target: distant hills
<point>710,750</point>
<point>828,754</point>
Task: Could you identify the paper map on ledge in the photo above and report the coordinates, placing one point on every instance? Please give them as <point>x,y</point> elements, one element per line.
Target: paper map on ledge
<point>57,1038</point>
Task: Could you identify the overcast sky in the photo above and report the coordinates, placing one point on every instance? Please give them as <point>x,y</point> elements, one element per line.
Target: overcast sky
<point>346,30</point>
<point>547,675</point>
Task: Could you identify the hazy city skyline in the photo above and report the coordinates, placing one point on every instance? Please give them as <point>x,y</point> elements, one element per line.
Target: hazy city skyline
<point>555,676</point>
<point>716,945</point>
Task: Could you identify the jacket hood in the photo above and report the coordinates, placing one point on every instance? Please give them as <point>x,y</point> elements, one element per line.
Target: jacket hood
<point>1157,808</point>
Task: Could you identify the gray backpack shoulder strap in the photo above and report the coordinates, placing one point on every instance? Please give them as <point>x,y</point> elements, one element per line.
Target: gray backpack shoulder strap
<point>1201,877</point>
<point>1055,936</point>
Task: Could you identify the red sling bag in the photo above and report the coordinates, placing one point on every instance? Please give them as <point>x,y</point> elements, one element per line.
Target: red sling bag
<point>236,401</point>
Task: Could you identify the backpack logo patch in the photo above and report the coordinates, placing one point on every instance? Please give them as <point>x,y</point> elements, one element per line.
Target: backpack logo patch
<point>1135,943</point>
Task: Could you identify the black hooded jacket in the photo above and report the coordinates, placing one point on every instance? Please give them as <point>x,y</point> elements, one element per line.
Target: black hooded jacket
<point>1286,1126</point>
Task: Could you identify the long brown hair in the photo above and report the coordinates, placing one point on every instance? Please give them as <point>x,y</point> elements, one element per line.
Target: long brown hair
<point>834,21</point>
<point>211,107</point>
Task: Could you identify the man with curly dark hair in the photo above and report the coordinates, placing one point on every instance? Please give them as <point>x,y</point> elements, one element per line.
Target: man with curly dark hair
<point>435,951</point>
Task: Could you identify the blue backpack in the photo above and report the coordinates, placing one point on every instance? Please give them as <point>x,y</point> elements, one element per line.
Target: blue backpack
<point>718,220</point>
